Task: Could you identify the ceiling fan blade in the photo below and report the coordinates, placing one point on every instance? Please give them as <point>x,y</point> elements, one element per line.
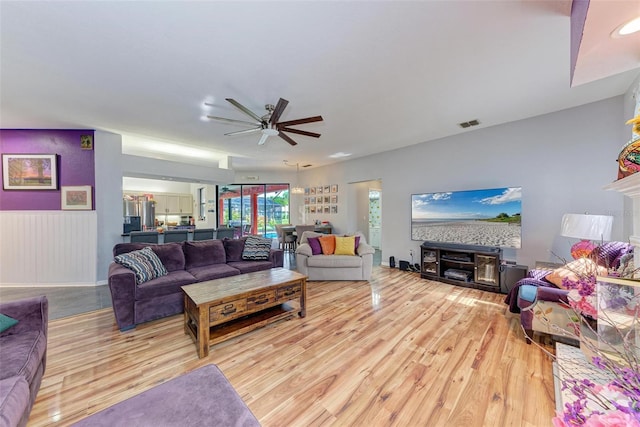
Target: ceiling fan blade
<point>277,112</point>
<point>299,132</point>
<point>301,121</point>
<point>224,119</point>
<point>244,109</point>
<point>242,132</point>
<point>286,138</point>
<point>263,139</point>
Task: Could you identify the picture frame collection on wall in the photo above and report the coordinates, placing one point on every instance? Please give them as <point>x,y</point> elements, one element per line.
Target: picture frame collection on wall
<point>322,199</point>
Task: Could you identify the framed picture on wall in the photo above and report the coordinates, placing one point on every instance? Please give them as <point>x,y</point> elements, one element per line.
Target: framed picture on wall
<point>327,199</point>
<point>326,209</point>
<point>76,197</point>
<point>334,199</point>
<point>327,189</point>
<point>334,209</point>
<point>312,209</point>
<point>334,188</point>
<point>29,172</point>
<point>312,190</point>
<point>319,190</point>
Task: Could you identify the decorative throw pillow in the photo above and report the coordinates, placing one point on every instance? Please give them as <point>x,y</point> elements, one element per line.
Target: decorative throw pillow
<point>316,249</point>
<point>144,263</point>
<point>328,244</point>
<point>256,248</point>
<point>581,267</point>
<point>6,322</point>
<point>345,245</point>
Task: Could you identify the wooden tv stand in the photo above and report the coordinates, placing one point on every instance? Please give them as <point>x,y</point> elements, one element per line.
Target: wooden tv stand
<point>463,265</point>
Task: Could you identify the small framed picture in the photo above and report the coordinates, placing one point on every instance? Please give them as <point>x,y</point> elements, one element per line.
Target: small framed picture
<point>306,200</point>
<point>327,200</point>
<point>312,209</point>
<point>86,142</point>
<point>319,190</point>
<point>312,190</point>
<point>319,200</point>
<point>306,191</point>
<point>312,200</point>
<point>306,209</point>
<point>327,189</point>
<point>327,209</point>
<point>334,209</point>
<point>76,197</point>
<point>334,199</point>
<point>334,188</point>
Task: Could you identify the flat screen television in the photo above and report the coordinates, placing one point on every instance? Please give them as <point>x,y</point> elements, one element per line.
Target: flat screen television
<point>489,217</point>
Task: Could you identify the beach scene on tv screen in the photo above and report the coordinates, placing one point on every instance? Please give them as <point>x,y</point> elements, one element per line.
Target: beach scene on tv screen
<point>490,217</point>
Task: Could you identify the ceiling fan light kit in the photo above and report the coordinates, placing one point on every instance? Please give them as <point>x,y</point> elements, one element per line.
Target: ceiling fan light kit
<point>268,124</point>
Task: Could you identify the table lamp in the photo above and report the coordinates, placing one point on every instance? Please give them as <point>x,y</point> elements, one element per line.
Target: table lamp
<point>587,228</point>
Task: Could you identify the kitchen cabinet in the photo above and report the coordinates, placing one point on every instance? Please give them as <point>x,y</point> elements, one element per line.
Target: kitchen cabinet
<point>171,204</point>
<point>186,204</point>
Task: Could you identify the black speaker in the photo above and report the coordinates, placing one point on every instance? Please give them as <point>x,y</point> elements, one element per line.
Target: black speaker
<point>392,262</point>
<point>404,265</point>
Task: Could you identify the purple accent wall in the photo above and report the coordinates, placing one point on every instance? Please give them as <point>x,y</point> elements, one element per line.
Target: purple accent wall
<point>75,165</point>
<point>579,10</point>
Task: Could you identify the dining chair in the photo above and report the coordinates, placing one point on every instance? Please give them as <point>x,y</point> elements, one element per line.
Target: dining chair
<point>204,234</point>
<point>175,236</point>
<point>143,237</point>
<point>223,232</point>
<point>280,234</point>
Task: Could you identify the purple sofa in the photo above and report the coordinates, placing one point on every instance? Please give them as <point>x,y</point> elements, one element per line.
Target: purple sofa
<point>23,354</point>
<point>186,262</point>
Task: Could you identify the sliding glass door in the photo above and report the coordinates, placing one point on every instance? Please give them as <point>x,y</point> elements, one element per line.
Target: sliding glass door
<point>253,208</point>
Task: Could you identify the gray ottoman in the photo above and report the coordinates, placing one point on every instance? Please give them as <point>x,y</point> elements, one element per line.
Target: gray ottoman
<point>202,397</point>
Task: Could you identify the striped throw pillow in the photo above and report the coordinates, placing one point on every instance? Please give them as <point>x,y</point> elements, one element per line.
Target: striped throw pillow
<point>256,248</point>
<point>144,263</point>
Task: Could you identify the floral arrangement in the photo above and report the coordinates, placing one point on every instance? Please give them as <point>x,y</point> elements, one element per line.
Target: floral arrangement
<point>614,351</point>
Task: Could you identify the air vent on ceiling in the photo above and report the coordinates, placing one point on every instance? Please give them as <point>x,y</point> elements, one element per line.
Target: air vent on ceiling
<point>306,166</point>
<point>470,123</point>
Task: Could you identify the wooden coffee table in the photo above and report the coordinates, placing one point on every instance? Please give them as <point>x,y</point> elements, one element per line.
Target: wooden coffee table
<point>217,310</point>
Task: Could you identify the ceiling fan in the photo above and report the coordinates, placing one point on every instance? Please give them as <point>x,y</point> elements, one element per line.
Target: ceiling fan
<point>268,124</point>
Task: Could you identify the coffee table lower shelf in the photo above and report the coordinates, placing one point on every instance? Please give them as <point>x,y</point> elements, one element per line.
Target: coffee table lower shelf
<point>242,325</point>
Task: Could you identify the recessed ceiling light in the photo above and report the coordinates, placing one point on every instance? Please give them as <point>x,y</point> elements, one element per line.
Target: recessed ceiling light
<point>627,28</point>
<point>339,155</point>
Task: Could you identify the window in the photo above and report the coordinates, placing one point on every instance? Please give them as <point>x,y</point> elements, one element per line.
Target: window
<point>202,203</point>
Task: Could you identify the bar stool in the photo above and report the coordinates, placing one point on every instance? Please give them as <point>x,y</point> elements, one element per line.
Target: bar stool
<point>144,237</point>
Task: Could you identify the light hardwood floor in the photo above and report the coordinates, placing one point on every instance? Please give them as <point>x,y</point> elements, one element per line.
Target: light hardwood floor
<point>398,350</point>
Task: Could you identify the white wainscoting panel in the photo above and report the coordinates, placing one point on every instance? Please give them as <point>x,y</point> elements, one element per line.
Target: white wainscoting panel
<point>43,248</point>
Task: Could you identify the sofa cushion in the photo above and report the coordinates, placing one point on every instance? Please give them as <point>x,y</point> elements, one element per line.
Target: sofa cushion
<point>204,252</point>
<point>256,248</point>
<point>314,243</point>
<point>22,354</point>
<point>14,400</point>
<point>345,245</point>
<point>6,322</point>
<point>164,285</point>
<point>213,271</point>
<point>170,254</point>
<point>328,244</point>
<point>251,266</point>
<point>234,248</point>
<point>144,263</point>
<point>334,261</point>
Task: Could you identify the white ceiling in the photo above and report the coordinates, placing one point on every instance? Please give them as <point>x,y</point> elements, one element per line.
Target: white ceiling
<point>383,75</point>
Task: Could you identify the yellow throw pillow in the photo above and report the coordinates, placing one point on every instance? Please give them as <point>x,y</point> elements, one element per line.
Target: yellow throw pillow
<point>328,244</point>
<point>581,267</point>
<point>345,245</point>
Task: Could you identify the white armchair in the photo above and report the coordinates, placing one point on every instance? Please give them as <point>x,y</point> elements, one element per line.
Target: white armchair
<point>334,267</point>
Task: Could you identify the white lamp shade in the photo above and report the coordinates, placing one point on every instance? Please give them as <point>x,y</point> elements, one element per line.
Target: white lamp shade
<point>587,227</point>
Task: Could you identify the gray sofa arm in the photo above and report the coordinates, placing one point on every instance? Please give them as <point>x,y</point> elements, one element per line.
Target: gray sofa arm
<point>303,252</point>
<point>365,249</point>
